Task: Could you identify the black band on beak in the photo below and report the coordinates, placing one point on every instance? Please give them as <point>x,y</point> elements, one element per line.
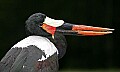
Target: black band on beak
<point>66,29</point>
<point>66,32</point>
<point>66,26</point>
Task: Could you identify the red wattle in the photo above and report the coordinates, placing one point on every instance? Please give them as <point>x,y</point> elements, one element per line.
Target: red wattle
<point>49,29</point>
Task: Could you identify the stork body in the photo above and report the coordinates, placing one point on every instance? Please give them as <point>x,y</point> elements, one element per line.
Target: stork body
<point>45,44</point>
<point>32,54</point>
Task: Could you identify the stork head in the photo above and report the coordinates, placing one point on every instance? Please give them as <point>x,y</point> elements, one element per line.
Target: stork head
<point>40,24</point>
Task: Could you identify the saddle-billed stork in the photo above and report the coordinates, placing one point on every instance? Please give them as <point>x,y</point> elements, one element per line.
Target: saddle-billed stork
<point>45,45</point>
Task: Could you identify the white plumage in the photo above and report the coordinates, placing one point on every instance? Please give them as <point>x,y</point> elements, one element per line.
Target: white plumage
<point>41,42</point>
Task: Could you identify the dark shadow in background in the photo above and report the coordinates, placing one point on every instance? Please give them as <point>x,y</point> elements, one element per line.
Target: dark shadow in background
<point>83,52</point>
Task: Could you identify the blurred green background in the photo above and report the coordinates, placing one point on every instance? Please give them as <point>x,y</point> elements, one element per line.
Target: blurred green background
<point>92,53</point>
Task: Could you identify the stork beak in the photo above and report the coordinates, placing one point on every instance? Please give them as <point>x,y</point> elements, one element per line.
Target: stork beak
<point>71,29</point>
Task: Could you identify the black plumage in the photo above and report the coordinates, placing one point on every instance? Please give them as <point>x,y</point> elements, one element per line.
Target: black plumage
<point>26,60</point>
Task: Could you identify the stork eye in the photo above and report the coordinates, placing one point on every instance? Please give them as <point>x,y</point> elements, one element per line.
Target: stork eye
<point>40,24</point>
